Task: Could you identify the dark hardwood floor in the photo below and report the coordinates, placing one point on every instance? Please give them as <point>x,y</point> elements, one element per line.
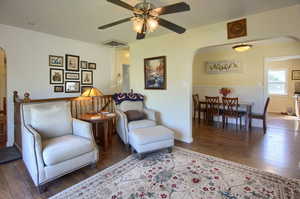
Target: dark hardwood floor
<point>277,151</point>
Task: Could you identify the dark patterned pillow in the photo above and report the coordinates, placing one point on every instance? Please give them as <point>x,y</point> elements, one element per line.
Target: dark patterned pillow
<point>134,115</point>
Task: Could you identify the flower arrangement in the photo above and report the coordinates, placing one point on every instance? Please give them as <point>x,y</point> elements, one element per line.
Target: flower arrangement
<point>225,91</point>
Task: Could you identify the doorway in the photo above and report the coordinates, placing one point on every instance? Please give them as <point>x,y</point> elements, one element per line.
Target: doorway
<point>3,89</point>
<point>125,78</point>
<point>283,88</point>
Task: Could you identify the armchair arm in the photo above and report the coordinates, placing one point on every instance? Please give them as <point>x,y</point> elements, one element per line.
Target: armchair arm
<point>32,153</point>
<point>122,125</point>
<point>83,129</point>
<point>151,114</point>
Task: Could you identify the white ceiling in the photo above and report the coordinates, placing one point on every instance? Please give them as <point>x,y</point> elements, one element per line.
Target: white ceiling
<point>79,19</point>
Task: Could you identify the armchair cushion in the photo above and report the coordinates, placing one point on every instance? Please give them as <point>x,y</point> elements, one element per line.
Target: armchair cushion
<point>51,119</point>
<point>66,147</point>
<point>140,124</point>
<point>134,115</point>
<point>129,105</point>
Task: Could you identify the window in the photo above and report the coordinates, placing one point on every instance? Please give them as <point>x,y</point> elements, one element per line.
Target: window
<point>277,82</point>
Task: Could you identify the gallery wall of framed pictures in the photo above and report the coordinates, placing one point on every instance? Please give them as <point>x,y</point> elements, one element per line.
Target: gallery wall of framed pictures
<point>67,75</point>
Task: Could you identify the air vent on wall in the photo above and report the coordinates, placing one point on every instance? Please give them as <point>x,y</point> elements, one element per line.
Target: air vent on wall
<point>115,44</point>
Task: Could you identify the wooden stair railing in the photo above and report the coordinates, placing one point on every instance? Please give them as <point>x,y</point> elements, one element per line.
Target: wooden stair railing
<point>79,105</point>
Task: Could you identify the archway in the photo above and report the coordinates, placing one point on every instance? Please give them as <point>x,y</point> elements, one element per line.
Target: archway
<point>3,91</point>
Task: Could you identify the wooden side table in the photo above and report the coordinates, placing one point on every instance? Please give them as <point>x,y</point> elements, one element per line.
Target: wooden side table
<point>106,120</point>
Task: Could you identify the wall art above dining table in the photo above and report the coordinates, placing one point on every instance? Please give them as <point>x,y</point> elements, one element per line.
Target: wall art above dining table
<point>68,73</point>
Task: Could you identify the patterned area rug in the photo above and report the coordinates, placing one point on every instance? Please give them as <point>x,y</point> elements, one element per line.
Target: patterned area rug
<point>182,174</point>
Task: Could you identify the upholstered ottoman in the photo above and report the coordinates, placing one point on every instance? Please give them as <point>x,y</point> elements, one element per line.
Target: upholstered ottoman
<point>148,139</point>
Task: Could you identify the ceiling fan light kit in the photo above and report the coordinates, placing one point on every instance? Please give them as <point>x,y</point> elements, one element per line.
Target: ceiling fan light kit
<point>146,17</point>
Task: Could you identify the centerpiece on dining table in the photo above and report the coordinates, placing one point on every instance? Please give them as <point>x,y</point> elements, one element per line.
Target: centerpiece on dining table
<point>225,91</point>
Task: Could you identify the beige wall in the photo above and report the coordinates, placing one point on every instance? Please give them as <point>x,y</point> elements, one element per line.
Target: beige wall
<point>122,56</point>
<point>252,62</point>
<point>175,103</point>
<point>281,103</point>
<point>2,77</point>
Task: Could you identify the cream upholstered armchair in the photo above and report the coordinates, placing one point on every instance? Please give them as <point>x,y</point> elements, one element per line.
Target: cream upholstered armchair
<point>124,127</point>
<point>53,143</point>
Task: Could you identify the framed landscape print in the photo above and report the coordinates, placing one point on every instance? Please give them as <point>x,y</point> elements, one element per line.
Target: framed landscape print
<point>85,88</point>
<point>92,66</point>
<point>57,61</point>
<point>296,75</point>
<point>72,63</point>
<point>72,87</point>
<point>86,77</point>
<point>56,76</point>
<point>83,64</point>
<point>72,76</point>
<point>155,73</point>
<point>58,89</point>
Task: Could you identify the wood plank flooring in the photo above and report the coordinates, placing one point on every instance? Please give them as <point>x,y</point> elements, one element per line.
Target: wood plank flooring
<point>277,151</point>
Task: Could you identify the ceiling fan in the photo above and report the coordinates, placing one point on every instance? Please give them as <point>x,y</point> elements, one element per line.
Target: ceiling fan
<point>146,17</point>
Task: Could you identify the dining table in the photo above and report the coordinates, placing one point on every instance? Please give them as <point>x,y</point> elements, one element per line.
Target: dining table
<point>242,106</point>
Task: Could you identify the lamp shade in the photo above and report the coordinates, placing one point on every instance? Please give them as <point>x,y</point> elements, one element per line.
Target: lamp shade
<point>92,92</point>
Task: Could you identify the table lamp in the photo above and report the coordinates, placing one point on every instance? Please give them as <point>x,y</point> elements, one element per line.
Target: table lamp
<point>94,92</point>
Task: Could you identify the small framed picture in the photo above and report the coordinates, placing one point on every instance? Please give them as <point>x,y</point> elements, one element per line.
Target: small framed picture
<point>72,63</point>
<point>295,74</point>
<point>83,64</point>
<point>56,76</point>
<point>58,89</point>
<point>57,61</point>
<point>86,77</point>
<point>155,72</point>
<point>92,66</point>
<point>85,88</point>
<point>72,76</point>
<point>72,87</point>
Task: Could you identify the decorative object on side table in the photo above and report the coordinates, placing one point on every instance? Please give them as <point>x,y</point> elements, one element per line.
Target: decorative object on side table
<point>237,29</point>
<point>58,89</point>
<point>72,62</point>
<point>57,61</point>
<point>296,75</point>
<point>86,77</point>
<point>72,87</point>
<point>84,64</point>
<point>225,91</point>
<point>92,66</point>
<point>56,76</point>
<point>72,76</point>
<point>155,73</point>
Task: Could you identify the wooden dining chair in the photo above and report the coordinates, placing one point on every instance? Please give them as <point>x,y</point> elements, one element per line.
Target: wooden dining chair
<point>262,116</point>
<point>3,127</point>
<point>212,106</point>
<point>198,109</point>
<point>231,110</point>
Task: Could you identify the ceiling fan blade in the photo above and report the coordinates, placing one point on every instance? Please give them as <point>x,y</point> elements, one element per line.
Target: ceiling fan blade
<point>140,36</point>
<point>174,8</point>
<point>122,4</point>
<point>171,26</point>
<point>114,23</point>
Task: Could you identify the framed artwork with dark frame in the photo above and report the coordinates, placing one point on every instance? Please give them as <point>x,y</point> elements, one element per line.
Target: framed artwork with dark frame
<point>72,76</point>
<point>72,87</point>
<point>155,73</point>
<point>295,74</point>
<point>92,66</point>
<point>58,89</point>
<point>57,61</point>
<point>87,77</point>
<point>83,64</point>
<point>237,29</point>
<point>84,88</point>
<point>72,62</point>
<point>56,76</point>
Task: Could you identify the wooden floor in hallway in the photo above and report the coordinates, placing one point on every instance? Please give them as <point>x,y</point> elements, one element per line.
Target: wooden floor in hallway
<point>277,151</point>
